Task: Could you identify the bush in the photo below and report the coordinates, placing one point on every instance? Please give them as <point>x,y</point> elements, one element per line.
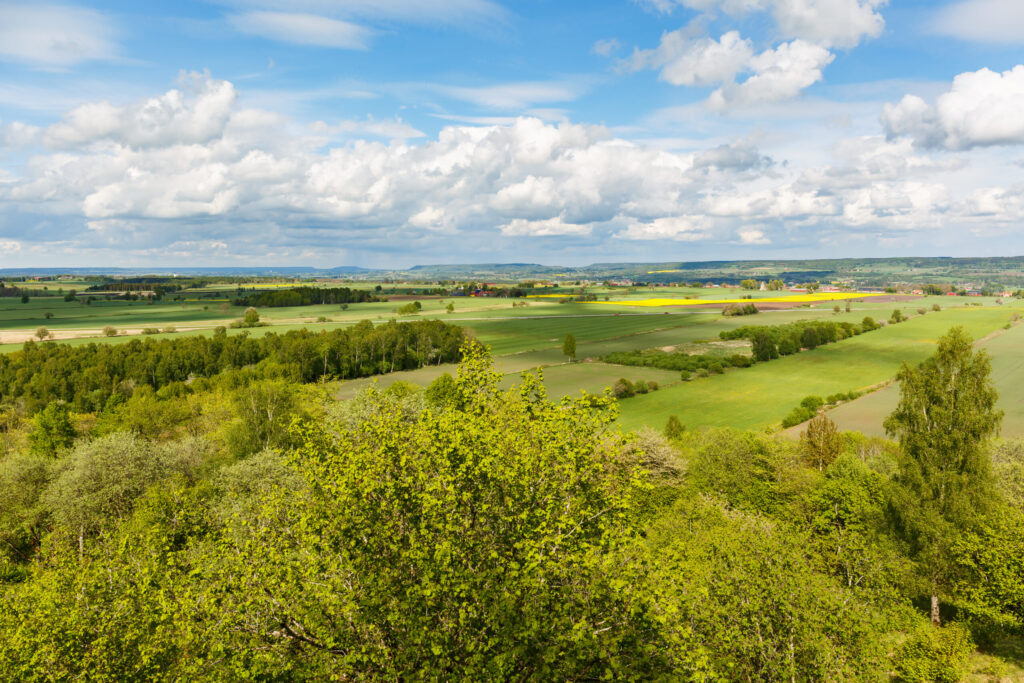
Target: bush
<point>869,324</point>
<point>685,375</point>
<point>934,654</point>
<point>170,329</point>
<point>623,388</point>
<point>922,311</point>
<point>812,403</point>
<point>715,368</point>
<point>150,330</point>
<point>641,387</point>
<point>936,307</point>
<point>897,316</point>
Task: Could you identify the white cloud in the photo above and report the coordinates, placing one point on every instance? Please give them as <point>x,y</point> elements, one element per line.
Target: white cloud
<point>303,29</point>
<point>543,228</point>
<point>451,12</point>
<point>753,237</point>
<point>195,113</point>
<point>605,47</point>
<point>395,129</point>
<point>8,247</point>
<point>514,96</point>
<point>984,21</point>
<point>193,169</point>
<point>982,108</point>
<point>831,23</point>
<point>55,36</point>
<point>779,74</point>
<point>676,228</point>
<point>694,62</point>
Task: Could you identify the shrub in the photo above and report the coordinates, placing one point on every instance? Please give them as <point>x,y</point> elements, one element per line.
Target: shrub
<point>812,402</point>
<point>110,331</point>
<point>652,385</point>
<point>623,388</point>
<point>150,330</point>
<point>715,368</point>
<point>869,324</point>
<point>641,387</point>
<point>934,654</point>
<point>922,311</point>
<point>685,375</point>
<point>796,416</point>
<point>936,307</point>
<point>897,316</point>
<point>170,329</point>
<point>674,429</point>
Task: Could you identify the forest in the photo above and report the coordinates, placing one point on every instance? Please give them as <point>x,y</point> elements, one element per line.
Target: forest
<point>217,520</point>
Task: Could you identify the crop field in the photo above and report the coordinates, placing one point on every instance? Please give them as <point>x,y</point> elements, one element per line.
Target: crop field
<point>761,396</point>
<point>529,336</point>
<point>867,413</point>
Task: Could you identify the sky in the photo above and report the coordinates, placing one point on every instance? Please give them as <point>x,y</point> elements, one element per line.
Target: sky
<point>390,133</point>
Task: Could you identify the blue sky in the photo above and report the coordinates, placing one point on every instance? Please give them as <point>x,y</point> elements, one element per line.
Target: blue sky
<point>396,132</point>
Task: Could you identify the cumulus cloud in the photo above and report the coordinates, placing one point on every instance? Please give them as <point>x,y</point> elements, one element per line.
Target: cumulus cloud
<point>196,113</point>
<point>982,108</point>
<point>831,23</point>
<point>55,36</point>
<point>191,169</point>
<point>303,29</point>
<point>779,74</point>
<point>683,60</point>
<point>753,237</point>
<point>676,228</point>
<point>984,21</point>
<point>775,74</point>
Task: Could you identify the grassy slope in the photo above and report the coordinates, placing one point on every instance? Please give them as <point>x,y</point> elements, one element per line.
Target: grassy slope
<point>761,396</point>
<point>867,413</point>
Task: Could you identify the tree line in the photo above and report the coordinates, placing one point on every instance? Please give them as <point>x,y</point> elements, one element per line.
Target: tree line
<point>87,376</point>
<point>306,296</point>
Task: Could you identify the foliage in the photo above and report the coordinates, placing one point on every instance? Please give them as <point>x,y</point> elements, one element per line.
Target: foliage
<point>306,296</point>
<point>569,347</point>
<point>736,310</point>
<point>88,375</point>
<point>741,600</point>
<point>52,430</point>
<point>821,442</point>
<point>511,581</point>
<point>945,414</point>
<point>674,429</point>
<point>934,655</point>
<point>663,360</point>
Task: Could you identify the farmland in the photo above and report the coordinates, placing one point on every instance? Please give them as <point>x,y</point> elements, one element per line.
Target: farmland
<point>527,334</point>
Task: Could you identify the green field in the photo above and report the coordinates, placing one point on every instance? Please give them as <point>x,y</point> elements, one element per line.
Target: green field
<point>524,337</point>
<point>761,396</point>
<point>867,413</point>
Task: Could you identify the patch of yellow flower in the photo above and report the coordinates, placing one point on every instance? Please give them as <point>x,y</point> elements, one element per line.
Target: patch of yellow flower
<point>785,299</point>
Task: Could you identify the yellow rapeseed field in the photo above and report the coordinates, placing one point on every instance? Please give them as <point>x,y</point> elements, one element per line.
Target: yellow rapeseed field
<point>784,299</point>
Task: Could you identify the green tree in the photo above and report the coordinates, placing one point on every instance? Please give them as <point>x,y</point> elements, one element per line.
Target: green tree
<point>43,333</point>
<point>476,541</point>
<point>24,298</point>
<point>52,430</point>
<point>821,442</point>
<point>749,284</point>
<point>569,347</point>
<point>252,317</point>
<point>265,411</point>
<point>945,415</point>
<point>674,429</point>
<point>764,347</point>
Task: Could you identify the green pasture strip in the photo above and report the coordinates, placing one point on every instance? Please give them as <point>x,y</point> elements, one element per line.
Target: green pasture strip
<point>761,396</point>
<point>867,413</point>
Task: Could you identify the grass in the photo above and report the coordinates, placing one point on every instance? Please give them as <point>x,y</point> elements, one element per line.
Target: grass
<point>867,413</point>
<point>761,396</point>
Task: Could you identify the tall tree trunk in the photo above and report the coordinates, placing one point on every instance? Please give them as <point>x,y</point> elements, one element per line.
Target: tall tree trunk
<point>935,611</point>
